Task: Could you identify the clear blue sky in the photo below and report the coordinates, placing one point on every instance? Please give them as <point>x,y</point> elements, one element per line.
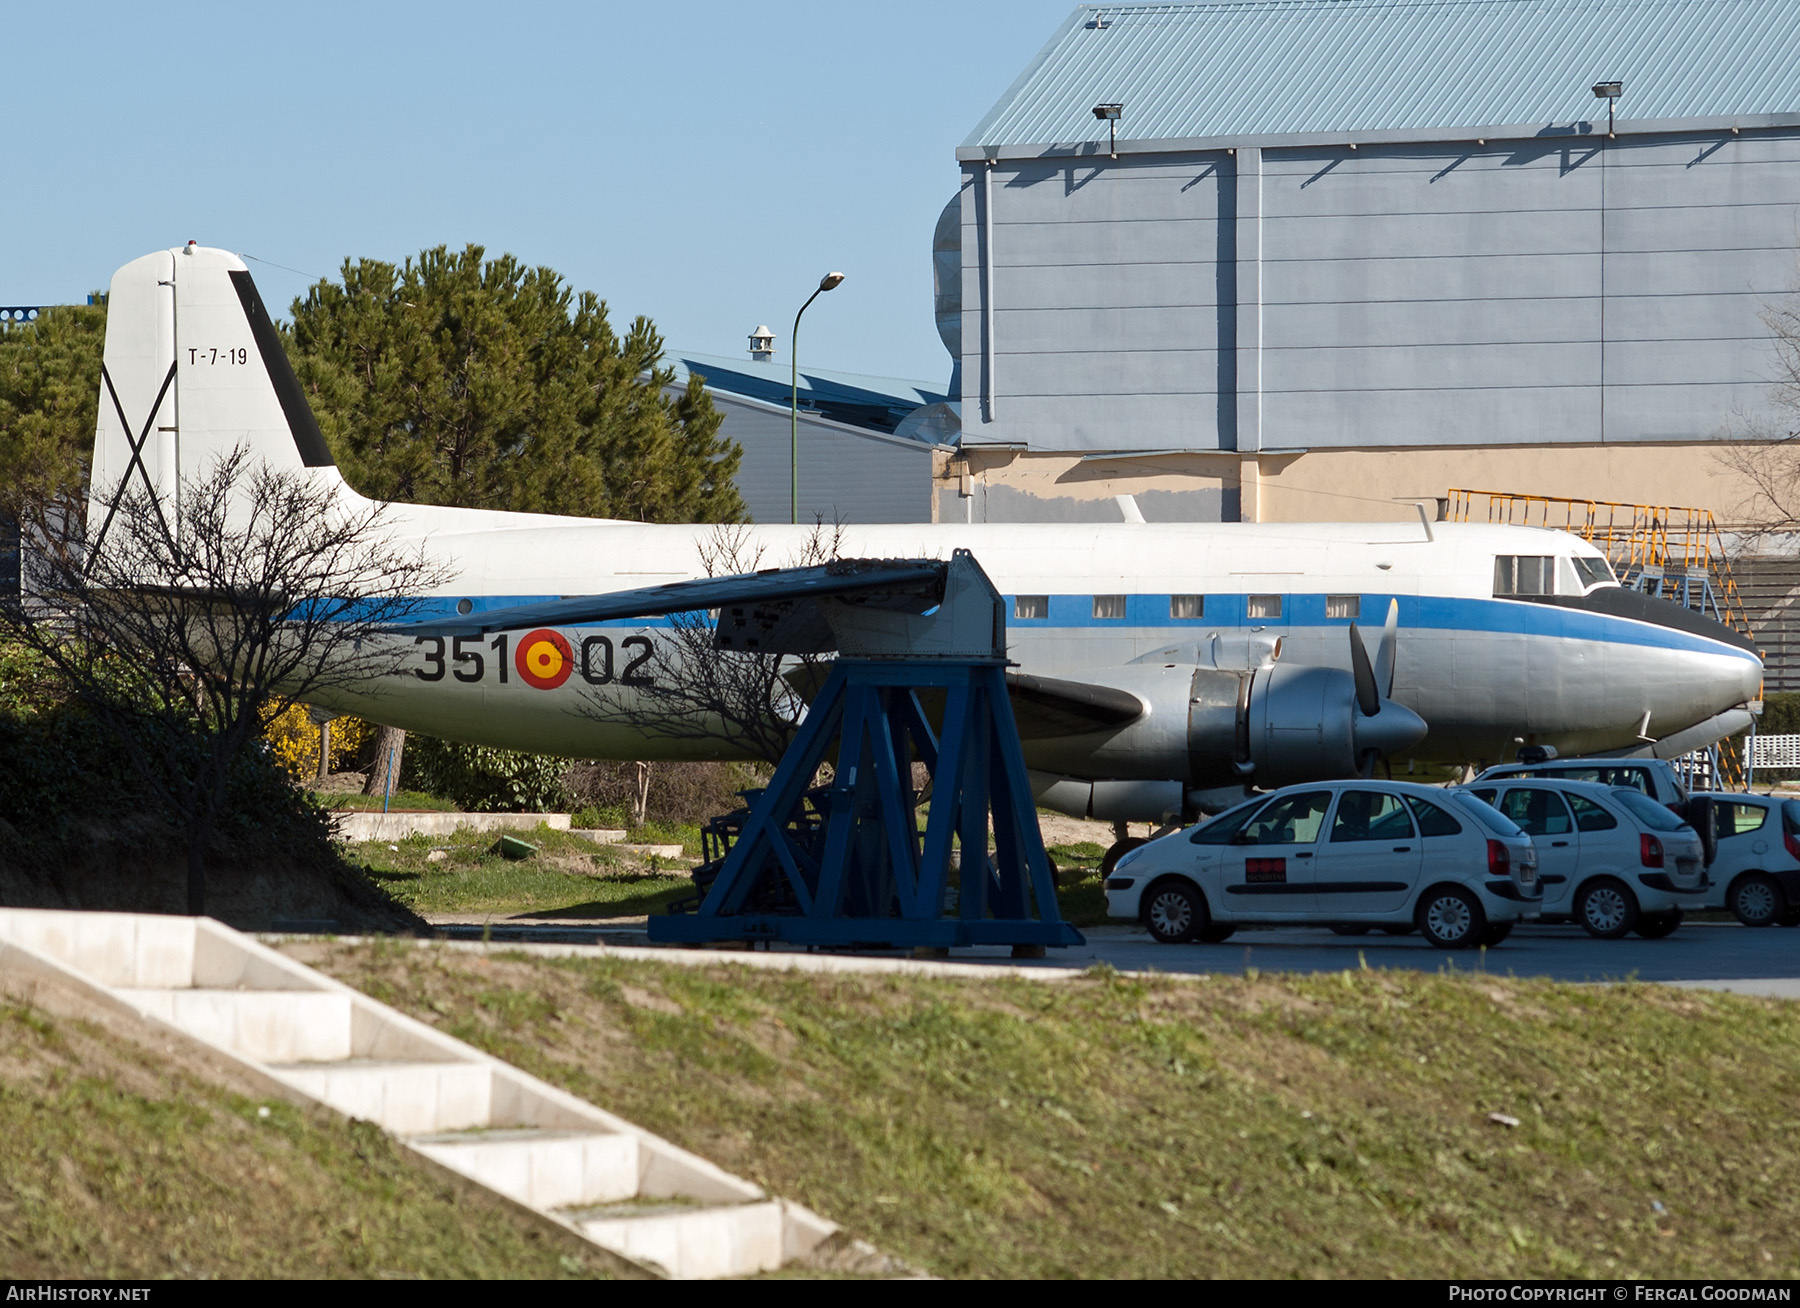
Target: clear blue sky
<point>702,163</point>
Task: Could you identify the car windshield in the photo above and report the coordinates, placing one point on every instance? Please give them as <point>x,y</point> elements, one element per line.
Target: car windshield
<point>1646,810</point>
<point>1219,830</point>
<point>1486,814</point>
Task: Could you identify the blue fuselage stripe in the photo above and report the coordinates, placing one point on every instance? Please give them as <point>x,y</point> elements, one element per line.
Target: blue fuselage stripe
<point>1231,611</point>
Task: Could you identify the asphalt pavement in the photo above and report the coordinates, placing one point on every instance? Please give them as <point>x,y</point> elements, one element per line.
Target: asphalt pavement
<point>1714,955</point>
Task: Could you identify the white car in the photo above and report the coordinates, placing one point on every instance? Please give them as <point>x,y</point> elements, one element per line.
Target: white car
<point>1336,853</point>
<point>1755,870</point>
<point>1654,776</point>
<point>1609,857</point>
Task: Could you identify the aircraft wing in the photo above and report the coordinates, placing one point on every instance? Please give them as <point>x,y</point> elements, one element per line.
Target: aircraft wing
<point>900,585</point>
<point>1046,706</point>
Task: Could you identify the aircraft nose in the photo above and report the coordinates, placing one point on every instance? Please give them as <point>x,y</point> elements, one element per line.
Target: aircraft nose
<point>1749,681</point>
<point>1393,729</point>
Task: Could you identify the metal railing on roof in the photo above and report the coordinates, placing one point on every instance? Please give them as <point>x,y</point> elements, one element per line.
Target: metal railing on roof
<point>1669,551</point>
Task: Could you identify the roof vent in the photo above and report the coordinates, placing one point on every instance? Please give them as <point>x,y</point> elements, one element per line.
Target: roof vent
<point>762,345</point>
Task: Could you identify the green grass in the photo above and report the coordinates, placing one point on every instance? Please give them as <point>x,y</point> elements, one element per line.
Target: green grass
<point>354,802</point>
<point>569,876</point>
<point>1080,897</point>
<point>117,1166</point>
<point>573,878</point>
<point>1333,1125</point>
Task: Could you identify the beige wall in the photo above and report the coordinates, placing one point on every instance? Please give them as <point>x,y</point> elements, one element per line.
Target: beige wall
<point>1354,485</point>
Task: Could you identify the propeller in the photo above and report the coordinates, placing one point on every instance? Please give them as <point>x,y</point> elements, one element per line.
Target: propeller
<point>1368,693</point>
<point>1374,684</point>
<point>1386,654</point>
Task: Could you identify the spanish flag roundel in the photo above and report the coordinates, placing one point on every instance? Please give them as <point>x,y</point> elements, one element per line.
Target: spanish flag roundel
<point>544,659</point>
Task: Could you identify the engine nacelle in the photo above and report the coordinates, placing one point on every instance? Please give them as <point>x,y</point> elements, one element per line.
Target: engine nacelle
<point>1302,725</point>
<point>1205,729</point>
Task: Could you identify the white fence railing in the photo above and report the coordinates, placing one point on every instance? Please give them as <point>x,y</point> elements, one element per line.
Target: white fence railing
<point>1775,752</point>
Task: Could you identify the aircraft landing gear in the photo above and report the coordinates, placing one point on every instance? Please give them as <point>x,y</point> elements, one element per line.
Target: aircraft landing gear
<point>1123,843</point>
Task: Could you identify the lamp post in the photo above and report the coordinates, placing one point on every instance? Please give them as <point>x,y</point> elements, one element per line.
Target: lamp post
<point>826,283</point>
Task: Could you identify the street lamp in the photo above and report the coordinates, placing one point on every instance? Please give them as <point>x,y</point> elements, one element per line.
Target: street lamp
<point>826,283</point>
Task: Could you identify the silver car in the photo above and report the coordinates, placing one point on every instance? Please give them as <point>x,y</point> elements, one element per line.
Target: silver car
<point>1609,857</point>
<point>1337,853</point>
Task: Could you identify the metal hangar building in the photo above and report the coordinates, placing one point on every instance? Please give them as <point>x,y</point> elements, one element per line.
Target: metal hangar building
<point>1303,259</point>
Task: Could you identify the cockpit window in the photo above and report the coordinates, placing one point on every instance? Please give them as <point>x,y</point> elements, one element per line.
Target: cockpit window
<point>1524,574</point>
<point>1594,572</point>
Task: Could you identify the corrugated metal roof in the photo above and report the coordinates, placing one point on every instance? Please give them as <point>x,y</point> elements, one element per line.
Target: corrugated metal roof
<point>876,403</point>
<point>1257,67</point>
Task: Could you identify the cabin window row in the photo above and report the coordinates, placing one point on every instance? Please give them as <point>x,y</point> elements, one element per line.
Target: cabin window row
<point>1111,608</point>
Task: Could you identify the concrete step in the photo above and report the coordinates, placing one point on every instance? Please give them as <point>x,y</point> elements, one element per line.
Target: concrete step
<point>599,835</point>
<point>478,1117</point>
<point>543,1169</point>
<point>269,1026</point>
<point>405,1098</point>
<point>689,1242</point>
<point>347,825</point>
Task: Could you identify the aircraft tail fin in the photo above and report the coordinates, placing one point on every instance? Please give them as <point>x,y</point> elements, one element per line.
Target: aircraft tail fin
<point>193,370</point>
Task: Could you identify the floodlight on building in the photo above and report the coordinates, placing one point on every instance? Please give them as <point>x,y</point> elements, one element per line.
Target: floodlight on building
<point>1609,92</point>
<point>1109,114</point>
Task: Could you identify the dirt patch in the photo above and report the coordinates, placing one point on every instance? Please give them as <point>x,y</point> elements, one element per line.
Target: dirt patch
<point>1059,829</point>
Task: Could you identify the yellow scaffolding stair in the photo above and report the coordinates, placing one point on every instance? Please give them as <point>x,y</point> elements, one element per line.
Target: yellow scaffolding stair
<point>1665,550</point>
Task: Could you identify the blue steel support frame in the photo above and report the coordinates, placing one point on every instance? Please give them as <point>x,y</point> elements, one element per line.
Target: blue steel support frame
<point>871,879</point>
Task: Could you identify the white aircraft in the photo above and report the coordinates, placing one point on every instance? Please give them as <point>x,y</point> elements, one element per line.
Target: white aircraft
<point>1160,665</point>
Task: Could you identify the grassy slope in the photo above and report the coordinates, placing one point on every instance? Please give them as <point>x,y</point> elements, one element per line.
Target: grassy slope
<point>1263,1126</point>
<point>116,1165</point>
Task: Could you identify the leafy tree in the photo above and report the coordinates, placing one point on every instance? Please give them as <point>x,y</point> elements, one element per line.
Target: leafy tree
<point>185,647</point>
<point>454,379</point>
<point>49,390</point>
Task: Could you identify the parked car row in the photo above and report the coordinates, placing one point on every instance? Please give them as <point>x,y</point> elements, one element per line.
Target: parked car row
<point>1603,843</point>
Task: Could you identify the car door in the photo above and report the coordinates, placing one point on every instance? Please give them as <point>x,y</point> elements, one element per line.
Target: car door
<point>1266,871</point>
<point>1544,816</point>
<point>1745,836</point>
<point>1369,863</point>
<point>1447,851</point>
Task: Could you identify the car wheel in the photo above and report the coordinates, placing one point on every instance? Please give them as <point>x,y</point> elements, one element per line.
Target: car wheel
<point>1175,912</point>
<point>1214,933</point>
<point>1116,851</point>
<point>1606,909</point>
<point>1495,933</point>
<point>1349,929</point>
<point>1756,900</point>
<point>1654,926</point>
<point>1451,918</point>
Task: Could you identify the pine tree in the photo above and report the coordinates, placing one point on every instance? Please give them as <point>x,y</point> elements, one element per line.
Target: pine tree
<point>455,379</point>
<point>49,390</point>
